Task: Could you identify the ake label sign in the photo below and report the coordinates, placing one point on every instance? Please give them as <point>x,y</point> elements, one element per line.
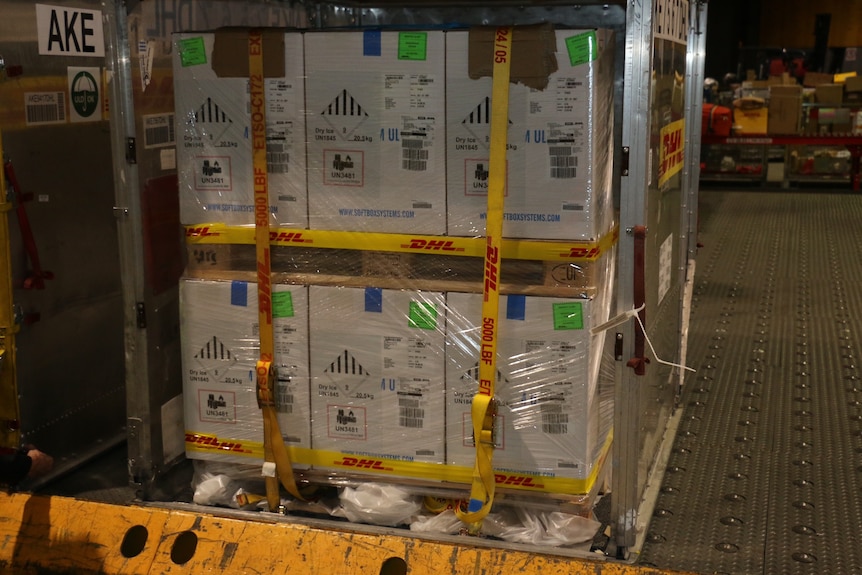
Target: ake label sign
<point>69,31</point>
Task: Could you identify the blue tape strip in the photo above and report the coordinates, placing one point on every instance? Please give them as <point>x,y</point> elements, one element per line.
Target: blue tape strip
<point>516,307</point>
<point>372,43</point>
<point>239,294</point>
<point>374,300</point>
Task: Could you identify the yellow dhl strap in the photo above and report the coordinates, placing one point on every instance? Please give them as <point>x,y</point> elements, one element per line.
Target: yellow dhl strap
<point>327,461</point>
<point>484,407</point>
<point>544,250</point>
<point>277,465</point>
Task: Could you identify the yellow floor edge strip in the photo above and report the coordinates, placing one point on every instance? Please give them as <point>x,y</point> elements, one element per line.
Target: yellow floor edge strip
<point>41,534</point>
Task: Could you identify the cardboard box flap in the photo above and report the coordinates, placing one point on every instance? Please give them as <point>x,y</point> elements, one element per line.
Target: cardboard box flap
<point>533,54</point>
<point>785,91</point>
<point>230,53</point>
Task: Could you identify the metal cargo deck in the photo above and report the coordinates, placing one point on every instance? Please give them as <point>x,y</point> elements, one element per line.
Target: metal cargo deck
<point>765,471</point>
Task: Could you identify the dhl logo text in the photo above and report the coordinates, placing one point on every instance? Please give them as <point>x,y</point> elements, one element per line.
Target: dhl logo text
<point>211,442</point>
<point>492,257</point>
<point>289,238</point>
<point>433,245</point>
<point>516,481</point>
<point>582,253</point>
<point>202,232</point>
<point>357,463</point>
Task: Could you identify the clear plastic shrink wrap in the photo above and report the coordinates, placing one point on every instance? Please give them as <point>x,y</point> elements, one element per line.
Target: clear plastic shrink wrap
<point>376,317</point>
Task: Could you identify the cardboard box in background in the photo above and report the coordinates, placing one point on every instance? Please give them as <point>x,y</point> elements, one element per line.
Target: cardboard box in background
<point>376,134</point>
<point>813,79</point>
<point>559,137</point>
<point>853,90</point>
<point>830,94</point>
<point>377,373</point>
<point>785,109</point>
<point>220,347</point>
<point>549,415</point>
<point>750,120</point>
<point>213,127</point>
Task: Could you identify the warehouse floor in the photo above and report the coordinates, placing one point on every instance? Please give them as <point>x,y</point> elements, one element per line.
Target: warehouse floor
<point>766,469</point>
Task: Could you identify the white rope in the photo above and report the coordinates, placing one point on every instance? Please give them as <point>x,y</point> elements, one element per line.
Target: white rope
<point>621,319</point>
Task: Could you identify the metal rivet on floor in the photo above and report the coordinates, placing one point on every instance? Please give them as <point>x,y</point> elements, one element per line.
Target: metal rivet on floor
<point>697,404</point>
<point>750,408</point>
<point>737,476</point>
<point>730,520</point>
<point>802,399</point>
<point>745,422</point>
<point>656,538</point>
<point>750,394</point>
<point>675,469</point>
<point>663,513</point>
<point>741,456</point>
<point>743,439</point>
<point>802,462</point>
<point>734,497</point>
<point>669,490</point>
<point>803,427</point>
<point>802,413</point>
<point>804,557</point>
<point>803,505</point>
<point>727,547</point>
<point>803,483</point>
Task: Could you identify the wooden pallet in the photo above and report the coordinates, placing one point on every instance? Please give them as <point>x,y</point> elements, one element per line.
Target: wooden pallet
<point>360,268</point>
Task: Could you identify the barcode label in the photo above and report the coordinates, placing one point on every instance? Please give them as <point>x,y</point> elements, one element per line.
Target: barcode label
<point>563,163</point>
<point>277,156</point>
<point>284,401</point>
<point>45,108</point>
<point>555,423</point>
<point>159,130</point>
<point>563,173</point>
<point>283,398</point>
<point>410,414</point>
<point>414,157</point>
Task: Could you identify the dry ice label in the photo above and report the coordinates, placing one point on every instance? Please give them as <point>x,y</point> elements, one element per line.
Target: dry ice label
<point>213,173</point>
<point>344,114</point>
<point>344,376</point>
<point>217,406</point>
<point>346,422</point>
<point>343,167</point>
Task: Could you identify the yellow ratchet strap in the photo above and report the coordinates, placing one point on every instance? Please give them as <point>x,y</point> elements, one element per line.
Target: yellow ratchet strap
<point>484,408</point>
<point>277,465</point>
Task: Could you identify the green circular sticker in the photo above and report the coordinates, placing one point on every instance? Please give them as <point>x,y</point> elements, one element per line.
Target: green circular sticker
<point>85,94</point>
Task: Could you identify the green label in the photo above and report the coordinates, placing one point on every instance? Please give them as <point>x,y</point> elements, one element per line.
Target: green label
<point>568,315</point>
<point>282,304</point>
<point>582,48</point>
<point>423,315</point>
<point>412,45</point>
<point>193,52</point>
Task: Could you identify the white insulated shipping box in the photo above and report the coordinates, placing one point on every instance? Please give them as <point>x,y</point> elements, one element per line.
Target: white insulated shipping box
<point>558,183</point>
<point>220,348</point>
<point>376,134</point>
<point>213,125</point>
<point>377,375</point>
<point>547,375</point>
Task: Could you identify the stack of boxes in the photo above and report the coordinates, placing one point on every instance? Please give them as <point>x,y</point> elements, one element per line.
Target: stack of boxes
<point>387,132</point>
